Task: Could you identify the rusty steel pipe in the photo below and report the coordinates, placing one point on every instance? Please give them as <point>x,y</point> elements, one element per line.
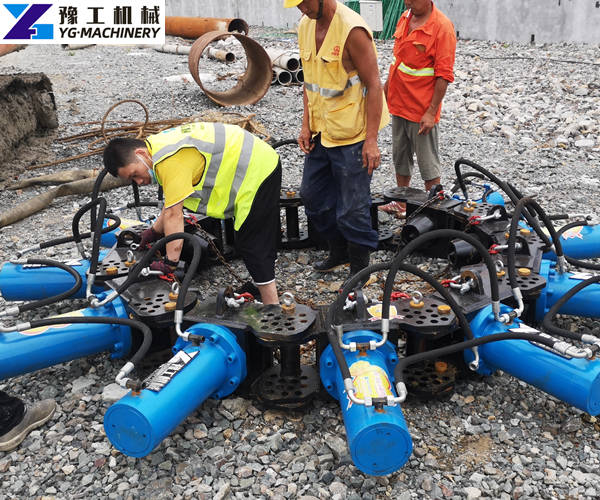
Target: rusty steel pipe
<point>221,55</point>
<point>252,85</point>
<point>8,48</point>
<point>195,27</point>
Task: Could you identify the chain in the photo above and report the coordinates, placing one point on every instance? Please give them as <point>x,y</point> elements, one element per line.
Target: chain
<point>214,248</point>
<point>422,207</point>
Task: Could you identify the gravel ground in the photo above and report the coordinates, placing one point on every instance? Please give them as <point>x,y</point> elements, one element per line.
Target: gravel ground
<point>531,114</point>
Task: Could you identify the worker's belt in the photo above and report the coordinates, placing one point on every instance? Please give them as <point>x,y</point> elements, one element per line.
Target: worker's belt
<point>415,72</point>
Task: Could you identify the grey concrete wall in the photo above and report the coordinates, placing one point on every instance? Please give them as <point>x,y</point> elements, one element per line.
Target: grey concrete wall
<point>518,20</point>
<point>503,20</point>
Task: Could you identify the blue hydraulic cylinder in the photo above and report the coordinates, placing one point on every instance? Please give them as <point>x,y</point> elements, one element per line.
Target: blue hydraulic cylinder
<point>574,381</point>
<point>30,350</point>
<point>137,423</point>
<point>581,242</point>
<point>378,440</point>
<point>35,282</point>
<point>583,303</point>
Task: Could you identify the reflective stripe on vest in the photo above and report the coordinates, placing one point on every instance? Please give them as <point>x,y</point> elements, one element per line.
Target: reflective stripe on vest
<point>240,171</point>
<point>416,72</point>
<point>313,87</point>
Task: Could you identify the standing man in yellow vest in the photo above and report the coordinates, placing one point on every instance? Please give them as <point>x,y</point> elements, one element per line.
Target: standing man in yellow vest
<point>213,168</point>
<point>344,109</point>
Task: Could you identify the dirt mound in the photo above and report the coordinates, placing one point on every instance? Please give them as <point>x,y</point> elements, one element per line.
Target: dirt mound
<point>26,106</point>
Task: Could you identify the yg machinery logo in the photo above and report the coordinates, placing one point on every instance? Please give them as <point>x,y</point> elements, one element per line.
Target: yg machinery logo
<point>84,21</point>
<point>27,26</point>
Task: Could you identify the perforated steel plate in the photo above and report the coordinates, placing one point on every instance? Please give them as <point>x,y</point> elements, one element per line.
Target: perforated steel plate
<point>425,382</point>
<point>426,320</point>
<point>289,391</point>
<point>273,325</point>
<point>116,258</point>
<point>148,299</point>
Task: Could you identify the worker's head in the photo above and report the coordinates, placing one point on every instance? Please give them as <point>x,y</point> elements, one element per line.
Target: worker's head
<point>312,9</point>
<point>419,7</point>
<point>129,159</point>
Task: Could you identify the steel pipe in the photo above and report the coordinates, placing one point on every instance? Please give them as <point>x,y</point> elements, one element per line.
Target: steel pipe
<point>281,76</point>
<point>252,85</point>
<point>298,76</point>
<point>221,55</point>
<point>8,48</point>
<point>285,59</point>
<point>195,27</point>
<point>174,48</point>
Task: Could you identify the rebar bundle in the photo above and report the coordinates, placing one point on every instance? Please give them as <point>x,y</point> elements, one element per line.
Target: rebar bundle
<point>102,133</point>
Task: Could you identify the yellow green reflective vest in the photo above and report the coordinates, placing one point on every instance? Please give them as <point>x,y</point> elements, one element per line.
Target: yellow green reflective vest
<point>237,163</point>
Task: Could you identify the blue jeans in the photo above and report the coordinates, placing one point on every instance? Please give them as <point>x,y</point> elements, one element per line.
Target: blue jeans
<point>336,191</point>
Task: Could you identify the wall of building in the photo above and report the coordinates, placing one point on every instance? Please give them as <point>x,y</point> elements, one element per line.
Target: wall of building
<point>520,20</point>
<point>503,20</point>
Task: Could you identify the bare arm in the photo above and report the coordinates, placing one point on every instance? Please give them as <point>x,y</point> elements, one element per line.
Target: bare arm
<point>428,119</point>
<point>362,56</point>
<point>305,133</point>
<point>171,221</point>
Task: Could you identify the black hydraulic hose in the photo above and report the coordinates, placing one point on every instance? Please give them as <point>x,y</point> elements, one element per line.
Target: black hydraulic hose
<point>56,298</point>
<point>433,235</point>
<point>284,142</point>
<point>505,186</point>
<point>499,182</point>
<point>79,214</point>
<point>577,262</point>
<point>97,235</point>
<point>553,311</point>
<point>105,320</point>
<point>339,355</point>
<point>467,344</point>
<point>571,260</point>
<point>511,244</point>
<point>149,255</point>
<point>70,239</point>
<point>142,203</point>
<point>136,194</point>
<point>518,193</point>
<point>582,263</point>
<point>568,226</point>
<point>95,193</point>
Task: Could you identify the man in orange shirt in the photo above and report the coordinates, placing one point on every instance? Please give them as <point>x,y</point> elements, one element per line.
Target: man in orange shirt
<point>424,53</point>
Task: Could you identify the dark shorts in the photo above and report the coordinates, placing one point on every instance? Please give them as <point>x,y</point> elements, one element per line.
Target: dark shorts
<point>256,241</point>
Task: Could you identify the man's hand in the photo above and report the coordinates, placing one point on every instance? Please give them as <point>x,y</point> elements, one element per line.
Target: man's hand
<point>149,236</point>
<point>305,140</point>
<point>427,123</point>
<point>163,267</point>
<point>371,155</point>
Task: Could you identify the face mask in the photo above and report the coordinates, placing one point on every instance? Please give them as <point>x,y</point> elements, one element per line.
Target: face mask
<point>153,179</point>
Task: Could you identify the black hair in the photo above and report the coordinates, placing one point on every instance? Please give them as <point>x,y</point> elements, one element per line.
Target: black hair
<point>120,152</point>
